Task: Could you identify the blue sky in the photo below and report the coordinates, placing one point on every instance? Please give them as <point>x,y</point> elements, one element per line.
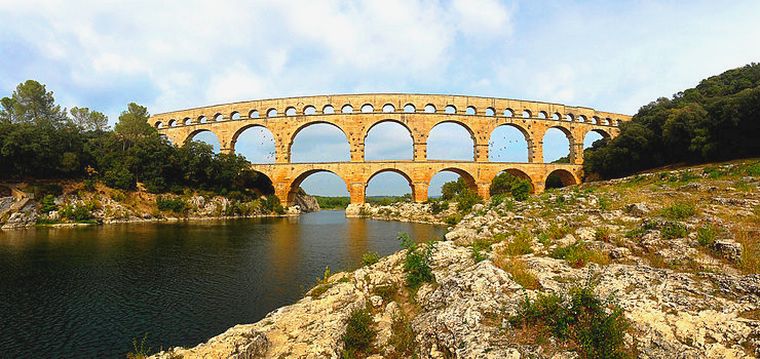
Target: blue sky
<point>611,55</point>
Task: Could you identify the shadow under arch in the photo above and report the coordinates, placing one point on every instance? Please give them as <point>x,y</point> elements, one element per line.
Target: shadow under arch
<point>388,120</point>
<point>519,174</point>
<point>560,178</point>
<point>393,170</point>
<point>522,130</point>
<point>302,127</point>
<point>296,184</point>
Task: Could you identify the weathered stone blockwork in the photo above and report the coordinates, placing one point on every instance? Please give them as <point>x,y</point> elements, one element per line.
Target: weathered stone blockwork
<point>418,113</point>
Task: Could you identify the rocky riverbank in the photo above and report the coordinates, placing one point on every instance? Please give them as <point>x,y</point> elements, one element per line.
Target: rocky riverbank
<point>77,206</point>
<point>674,253</point>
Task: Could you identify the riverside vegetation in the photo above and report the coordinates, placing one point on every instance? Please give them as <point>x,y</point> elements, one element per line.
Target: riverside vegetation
<point>659,264</point>
<point>654,265</point>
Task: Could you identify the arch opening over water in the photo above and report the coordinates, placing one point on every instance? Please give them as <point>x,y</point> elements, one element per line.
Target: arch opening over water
<point>508,143</point>
<point>319,182</point>
<point>319,142</point>
<point>388,140</point>
<point>388,183</point>
<point>450,141</point>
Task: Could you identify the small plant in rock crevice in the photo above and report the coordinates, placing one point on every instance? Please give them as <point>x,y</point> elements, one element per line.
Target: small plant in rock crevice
<point>417,262</point>
<point>359,334</point>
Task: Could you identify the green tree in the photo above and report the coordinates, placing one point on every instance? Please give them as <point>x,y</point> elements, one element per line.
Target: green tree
<point>89,120</point>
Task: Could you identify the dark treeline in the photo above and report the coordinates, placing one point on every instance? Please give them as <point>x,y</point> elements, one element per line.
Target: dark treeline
<point>717,120</point>
<point>40,140</point>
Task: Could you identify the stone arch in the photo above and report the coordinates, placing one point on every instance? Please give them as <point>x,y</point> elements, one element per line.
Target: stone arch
<point>202,119</point>
<point>290,111</point>
<point>430,108</point>
<point>394,170</point>
<point>456,122</point>
<point>172,123</point>
<point>309,110</point>
<point>527,114</point>
<point>159,124</point>
<point>490,111</point>
<point>526,135</point>
<point>562,177</point>
<point>410,108</point>
<point>272,112</point>
<point>328,109</point>
<point>187,121</point>
<point>241,130</point>
<point>367,108</point>
<point>388,107</point>
<point>470,110</point>
<point>568,136</point>
<point>303,126</point>
<point>517,173</point>
<point>218,117</point>
<point>508,112</point>
<point>542,115</point>
<point>450,109</point>
<point>347,108</point>
<point>600,133</point>
<point>468,178</point>
<point>196,132</point>
<point>234,115</point>
<point>389,120</point>
<point>298,180</point>
<point>253,114</point>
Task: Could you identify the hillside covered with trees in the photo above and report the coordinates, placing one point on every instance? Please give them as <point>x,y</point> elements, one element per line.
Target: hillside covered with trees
<point>40,140</point>
<point>719,119</point>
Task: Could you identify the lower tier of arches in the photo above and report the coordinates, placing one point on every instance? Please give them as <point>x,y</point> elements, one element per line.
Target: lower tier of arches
<point>287,177</point>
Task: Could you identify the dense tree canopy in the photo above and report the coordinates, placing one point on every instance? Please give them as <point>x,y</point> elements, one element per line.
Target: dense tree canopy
<point>717,120</point>
<point>39,140</point>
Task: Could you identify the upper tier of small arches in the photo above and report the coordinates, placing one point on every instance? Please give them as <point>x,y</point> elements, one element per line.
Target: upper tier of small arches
<point>363,104</point>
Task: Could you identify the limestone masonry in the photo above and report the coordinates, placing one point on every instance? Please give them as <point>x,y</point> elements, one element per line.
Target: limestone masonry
<point>355,115</point>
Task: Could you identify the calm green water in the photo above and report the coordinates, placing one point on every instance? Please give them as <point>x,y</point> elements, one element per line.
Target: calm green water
<point>88,292</point>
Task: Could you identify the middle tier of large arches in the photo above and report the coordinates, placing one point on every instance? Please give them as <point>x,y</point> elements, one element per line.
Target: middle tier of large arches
<point>356,127</point>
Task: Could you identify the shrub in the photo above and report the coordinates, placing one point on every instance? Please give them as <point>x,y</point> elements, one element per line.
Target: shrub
<point>672,230</point>
<point>453,219</point>
<point>706,235</point>
<point>581,321</point>
<point>466,200</point>
<point>416,262</point>
<point>478,248</point>
<point>521,244</point>
<point>118,196</point>
<point>519,271</point>
<point>48,204</point>
<point>602,234</point>
<point>438,206</point>
<point>89,185</point>
<point>604,203</point>
<point>578,254</point>
<point>385,291</point>
<point>507,183</point>
<point>678,211</point>
<point>271,204</point>
<point>139,350</point>
<point>171,204</point>
<point>402,339</point>
<point>370,258</point>
<point>359,334</point>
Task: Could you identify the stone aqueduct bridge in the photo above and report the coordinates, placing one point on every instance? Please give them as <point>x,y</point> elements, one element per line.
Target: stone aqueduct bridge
<point>355,115</point>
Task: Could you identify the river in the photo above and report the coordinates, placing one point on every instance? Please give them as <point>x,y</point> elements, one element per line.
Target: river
<point>88,292</point>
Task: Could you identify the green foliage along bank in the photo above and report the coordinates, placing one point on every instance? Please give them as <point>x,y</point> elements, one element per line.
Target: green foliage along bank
<point>719,119</point>
<point>41,140</point>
